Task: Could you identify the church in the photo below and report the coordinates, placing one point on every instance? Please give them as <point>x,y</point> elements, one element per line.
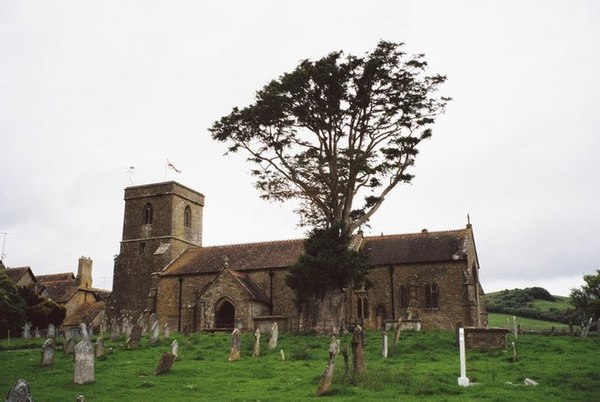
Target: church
<point>429,279</point>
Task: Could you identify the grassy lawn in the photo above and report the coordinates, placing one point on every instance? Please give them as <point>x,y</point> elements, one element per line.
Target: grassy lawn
<point>499,320</point>
<point>424,366</point>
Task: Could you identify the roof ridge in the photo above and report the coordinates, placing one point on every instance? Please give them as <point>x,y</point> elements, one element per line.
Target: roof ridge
<point>250,243</point>
<point>416,233</point>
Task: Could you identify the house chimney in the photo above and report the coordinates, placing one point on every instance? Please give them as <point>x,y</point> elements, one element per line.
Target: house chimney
<point>84,272</point>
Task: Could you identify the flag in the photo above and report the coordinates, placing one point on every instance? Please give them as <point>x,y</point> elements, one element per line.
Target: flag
<point>171,166</point>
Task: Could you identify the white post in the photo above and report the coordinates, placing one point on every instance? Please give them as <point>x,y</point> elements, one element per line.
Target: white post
<point>515,327</point>
<point>463,381</point>
<point>385,345</point>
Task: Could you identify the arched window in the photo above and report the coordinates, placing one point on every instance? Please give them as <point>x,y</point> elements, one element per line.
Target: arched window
<point>148,214</point>
<point>362,306</point>
<point>403,296</point>
<point>431,296</point>
<point>187,217</point>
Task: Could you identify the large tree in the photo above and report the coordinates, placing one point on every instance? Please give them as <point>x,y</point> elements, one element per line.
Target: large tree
<point>338,133</point>
<point>587,298</point>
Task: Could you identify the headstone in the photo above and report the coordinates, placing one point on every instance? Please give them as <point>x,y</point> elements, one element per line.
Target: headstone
<point>83,363</point>
<point>165,363</point>
<point>358,350</point>
<point>142,323</point>
<point>36,333</point>
<point>19,392</point>
<point>114,329</point>
<point>51,331</point>
<point>47,353</point>
<point>133,342</point>
<point>83,329</point>
<point>26,331</point>
<point>384,352</point>
<point>463,381</point>
<point>154,333</point>
<point>398,331</point>
<point>127,327</point>
<point>234,350</point>
<point>514,354</point>
<point>274,336</point>
<point>80,398</point>
<point>256,351</point>
<point>327,377</point>
<point>99,348</point>
<point>69,346</point>
<point>152,320</point>
<point>166,331</point>
<point>282,355</point>
<point>175,347</point>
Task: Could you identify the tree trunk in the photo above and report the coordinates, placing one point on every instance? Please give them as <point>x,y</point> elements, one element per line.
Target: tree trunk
<point>324,316</point>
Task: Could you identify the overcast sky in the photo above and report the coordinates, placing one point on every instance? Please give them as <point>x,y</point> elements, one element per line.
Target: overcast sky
<point>90,88</point>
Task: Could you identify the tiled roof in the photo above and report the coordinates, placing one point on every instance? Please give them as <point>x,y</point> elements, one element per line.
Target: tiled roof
<point>382,250</point>
<point>255,291</point>
<point>101,294</point>
<point>61,291</point>
<point>64,276</point>
<point>16,273</point>
<point>85,313</point>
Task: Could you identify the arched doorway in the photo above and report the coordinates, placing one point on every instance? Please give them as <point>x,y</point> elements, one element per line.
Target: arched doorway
<point>380,316</point>
<point>225,315</point>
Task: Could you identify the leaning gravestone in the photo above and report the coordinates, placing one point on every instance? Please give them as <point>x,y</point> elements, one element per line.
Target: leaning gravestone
<point>166,331</point>
<point>175,347</point>
<point>19,392</point>
<point>133,342</point>
<point>51,331</point>
<point>83,363</point>
<point>69,346</point>
<point>274,335</point>
<point>358,350</point>
<point>26,331</point>
<point>327,377</point>
<point>165,363</point>
<point>47,353</point>
<point>256,351</point>
<point>99,348</point>
<point>234,351</point>
<point>154,333</point>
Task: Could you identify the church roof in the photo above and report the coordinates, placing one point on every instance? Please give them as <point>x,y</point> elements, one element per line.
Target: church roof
<point>382,250</point>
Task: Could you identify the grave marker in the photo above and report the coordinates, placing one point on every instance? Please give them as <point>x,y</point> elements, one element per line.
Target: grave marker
<point>19,392</point>
<point>234,351</point>
<point>83,363</point>
<point>274,336</point>
<point>47,353</point>
<point>165,363</point>
<point>256,351</point>
<point>327,377</point>
<point>463,381</point>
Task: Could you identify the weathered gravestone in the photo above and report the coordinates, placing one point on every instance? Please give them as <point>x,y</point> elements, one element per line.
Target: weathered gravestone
<point>154,333</point>
<point>26,331</point>
<point>83,363</point>
<point>36,333</point>
<point>133,342</point>
<point>165,363</point>
<point>151,320</point>
<point>83,330</point>
<point>398,332</point>
<point>256,351</point>
<point>19,392</point>
<point>51,331</point>
<point>282,355</point>
<point>114,329</point>
<point>175,347</point>
<point>69,346</point>
<point>166,331</point>
<point>141,322</point>
<point>47,358</point>
<point>99,348</point>
<point>358,349</point>
<point>127,327</point>
<point>274,336</point>
<point>327,377</point>
<point>234,351</point>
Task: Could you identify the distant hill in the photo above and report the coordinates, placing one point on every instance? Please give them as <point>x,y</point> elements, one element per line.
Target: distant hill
<point>532,302</point>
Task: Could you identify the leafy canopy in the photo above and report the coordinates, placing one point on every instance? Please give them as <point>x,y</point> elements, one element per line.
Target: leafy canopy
<point>587,298</point>
<point>335,130</point>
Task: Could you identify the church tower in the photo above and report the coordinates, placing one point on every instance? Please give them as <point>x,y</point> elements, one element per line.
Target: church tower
<point>161,220</point>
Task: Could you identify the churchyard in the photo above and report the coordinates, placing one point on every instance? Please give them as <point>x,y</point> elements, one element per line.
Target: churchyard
<point>423,366</point>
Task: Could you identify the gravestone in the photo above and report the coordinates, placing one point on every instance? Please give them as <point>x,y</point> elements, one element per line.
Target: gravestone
<point>26,331</point>
<point>358,349</point>
<point>175,347</point>
<point>133,342</point>
<point>51,331</point>
<point>114,329</point>
<point>384,352</point>
<point>327,377</point>
<point>282,355</point>
<point>80,398</point>
<point>165,363</point>
<point>19,392</point>
<point>166,331</point>
<point>256,351</point>
<point>83,330</point>
<point>69,346</point>
<point>99,348</point>
<point>514,352</point>
<point>234,350</point>
<point>274,336</point>
<point>127,327</point>
<point>397,333</point>
<point>152,320</point>
<point>83,363</point>
<point>142,323</point>
<point>47,353</point>
<point>463,380</point>
<point>36,333</point>
<point>154,333</point>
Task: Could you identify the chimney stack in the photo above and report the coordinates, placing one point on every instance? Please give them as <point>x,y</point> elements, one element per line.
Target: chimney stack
<point>84,272</point>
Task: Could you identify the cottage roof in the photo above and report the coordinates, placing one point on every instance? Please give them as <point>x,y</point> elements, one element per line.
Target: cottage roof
<point>85,313</point>
<point>63,276</point>
<point>382,250</point>
<point>61,291</point>
<point>17,273</point>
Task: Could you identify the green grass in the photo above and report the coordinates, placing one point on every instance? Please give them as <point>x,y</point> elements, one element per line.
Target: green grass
<point>424,366</point>
<point>499,320</point>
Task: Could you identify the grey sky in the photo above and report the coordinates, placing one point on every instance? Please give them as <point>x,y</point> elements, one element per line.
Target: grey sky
<point>90,88</point>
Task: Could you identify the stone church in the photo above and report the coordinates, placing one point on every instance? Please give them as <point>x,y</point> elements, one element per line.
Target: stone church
<point>430,279</point>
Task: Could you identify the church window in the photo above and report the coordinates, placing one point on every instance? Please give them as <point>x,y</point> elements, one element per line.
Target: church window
<point>148,214</point>
<point>362,306</point>
<point>187,217</point>
<point>403,296</point>
<point>431,296</point>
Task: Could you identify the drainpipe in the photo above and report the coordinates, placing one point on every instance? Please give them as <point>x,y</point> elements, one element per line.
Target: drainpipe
<point>180,297</point>
<point>271,274</point>
<point>391,268</point>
